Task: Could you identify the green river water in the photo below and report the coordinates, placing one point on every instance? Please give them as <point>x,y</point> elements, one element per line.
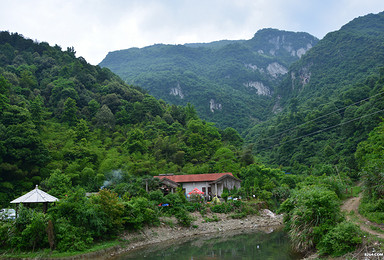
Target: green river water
<point>232,245</point>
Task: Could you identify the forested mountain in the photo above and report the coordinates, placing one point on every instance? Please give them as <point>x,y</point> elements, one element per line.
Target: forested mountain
<point>332,99</point>
<point>64,119</point>
<point>231,83</point>
<point>72,127</point>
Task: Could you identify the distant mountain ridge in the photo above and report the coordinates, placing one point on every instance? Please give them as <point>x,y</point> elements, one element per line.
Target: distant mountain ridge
<point>331,99</point>
<point>231,83</point>
<point>342,57</point>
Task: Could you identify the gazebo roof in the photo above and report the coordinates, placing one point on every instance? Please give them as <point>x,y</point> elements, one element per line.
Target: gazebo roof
<point>35,196</point>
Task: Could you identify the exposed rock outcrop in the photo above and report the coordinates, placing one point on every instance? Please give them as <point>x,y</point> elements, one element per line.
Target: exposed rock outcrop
<point>259,86</point>
<point>214,106</point>
<point>275,69</point>
<point>177,91</point>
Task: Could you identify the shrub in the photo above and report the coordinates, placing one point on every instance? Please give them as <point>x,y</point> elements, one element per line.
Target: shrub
<point>110,210</point>
<point>237,203</point>
<point>340,240</point>
<point>238,215</point>
<point>6,230</point>
<point>373,209</point>
<point>80,212</point>
<point>310,213</point>
<point>34,233</point>
<point>213,219</point>
<point>184,218</point>
<point>70,237</point>
<point>192,207</point>
<point>156,196</point>
<point>222,208</point>
<point>138,212</point>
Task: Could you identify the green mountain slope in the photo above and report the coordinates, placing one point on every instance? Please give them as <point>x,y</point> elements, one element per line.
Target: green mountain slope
<point>323,118</point>
<point>231,83</point>
<point>343,57</point>
<point>62,119</point>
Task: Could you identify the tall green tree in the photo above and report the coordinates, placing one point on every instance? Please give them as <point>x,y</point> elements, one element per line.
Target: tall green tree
<point>70,112</point>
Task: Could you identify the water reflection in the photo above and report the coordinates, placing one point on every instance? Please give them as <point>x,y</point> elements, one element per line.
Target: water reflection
<point>232,245</point>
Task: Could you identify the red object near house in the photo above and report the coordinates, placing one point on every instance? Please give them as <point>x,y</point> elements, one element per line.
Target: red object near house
<point>196,191</point>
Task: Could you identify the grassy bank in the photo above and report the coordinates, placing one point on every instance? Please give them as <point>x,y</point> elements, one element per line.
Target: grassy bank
<point>46,253</point>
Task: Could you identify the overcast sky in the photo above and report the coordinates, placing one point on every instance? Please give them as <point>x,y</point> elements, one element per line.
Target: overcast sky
<point>95,27</point>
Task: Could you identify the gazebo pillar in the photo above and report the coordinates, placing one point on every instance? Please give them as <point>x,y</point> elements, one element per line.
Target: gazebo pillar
<point>45,207</point>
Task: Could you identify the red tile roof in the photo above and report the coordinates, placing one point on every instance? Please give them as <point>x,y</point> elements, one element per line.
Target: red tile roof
<point>194,177</point>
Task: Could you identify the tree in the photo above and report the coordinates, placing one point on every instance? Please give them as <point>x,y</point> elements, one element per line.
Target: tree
<point>105,118</point>
<point>58,184</point>
<point>94,107</point>
<point>4,87</point>
<point>70,112</point>
<point>82,130</point>
<point>231,136</point>
<point>107,202</point>
<point>369,156</point>
<point>36,109</point>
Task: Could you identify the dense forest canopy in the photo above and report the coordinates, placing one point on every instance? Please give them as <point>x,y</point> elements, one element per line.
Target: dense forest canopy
<point>61,116</point>
<point>73,128</point>
<point>332,99</point>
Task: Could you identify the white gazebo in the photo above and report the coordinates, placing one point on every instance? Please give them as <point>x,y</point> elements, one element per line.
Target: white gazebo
<point>36,196</point>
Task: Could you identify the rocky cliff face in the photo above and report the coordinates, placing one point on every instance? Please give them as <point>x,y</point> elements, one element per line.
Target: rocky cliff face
<point>224,80</point>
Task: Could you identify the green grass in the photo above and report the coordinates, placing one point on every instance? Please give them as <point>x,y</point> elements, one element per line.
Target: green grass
<point>56,254</point>
<point>376,229</point>
<point>372,210</point>
<point>213,219</point>
<point>355,192</point>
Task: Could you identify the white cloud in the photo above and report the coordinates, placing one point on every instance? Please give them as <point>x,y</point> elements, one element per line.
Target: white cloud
<point>95,27</point>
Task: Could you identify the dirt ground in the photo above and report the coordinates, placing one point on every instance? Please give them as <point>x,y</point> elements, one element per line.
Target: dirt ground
<point>352,204</point>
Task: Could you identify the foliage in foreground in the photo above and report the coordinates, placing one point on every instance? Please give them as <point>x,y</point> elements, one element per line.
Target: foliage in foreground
<point>341,239</point>
<point>310,214</point>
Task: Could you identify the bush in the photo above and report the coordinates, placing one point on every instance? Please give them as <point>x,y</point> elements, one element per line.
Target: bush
<point>110,210</point>
<point>213,219</point>
<point>139,212</point>
<point>373,209</point>
<point>70,237</point>
<point>184,218</point>
<point>310,213</point>
<point>222,208</point>
<point>238,215</point>
<point>192,207</point>
<point>341,239</point>
<point>237,203</point>
<point>34,233</point>
<point>6,230</point>
<point>156,196</point>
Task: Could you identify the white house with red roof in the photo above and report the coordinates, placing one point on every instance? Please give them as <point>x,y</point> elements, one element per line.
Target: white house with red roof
<point>211,183</point>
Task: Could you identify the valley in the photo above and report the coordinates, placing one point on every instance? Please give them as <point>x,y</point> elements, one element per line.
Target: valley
<point>294,119</point>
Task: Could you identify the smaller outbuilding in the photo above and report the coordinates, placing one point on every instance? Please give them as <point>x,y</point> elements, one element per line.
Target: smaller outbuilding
<point>36,196</point>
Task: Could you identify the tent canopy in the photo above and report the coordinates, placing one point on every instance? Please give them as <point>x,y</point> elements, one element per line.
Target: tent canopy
<point>35,196</point>
<point>196,191</point>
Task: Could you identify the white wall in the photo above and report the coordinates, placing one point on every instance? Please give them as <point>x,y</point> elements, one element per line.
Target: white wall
<point>189,186</point>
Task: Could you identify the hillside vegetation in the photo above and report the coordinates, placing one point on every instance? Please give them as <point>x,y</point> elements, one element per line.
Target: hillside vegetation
<point>231,83</point>
<point>73,128</point>
<point>332,99</point>
<point>61,115</point>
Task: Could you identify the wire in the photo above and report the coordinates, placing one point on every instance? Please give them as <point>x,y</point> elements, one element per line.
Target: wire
<point>317,118</point>
<point>322,130</point>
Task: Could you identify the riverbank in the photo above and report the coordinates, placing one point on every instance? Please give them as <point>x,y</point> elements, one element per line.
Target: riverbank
<point>167,232</point>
